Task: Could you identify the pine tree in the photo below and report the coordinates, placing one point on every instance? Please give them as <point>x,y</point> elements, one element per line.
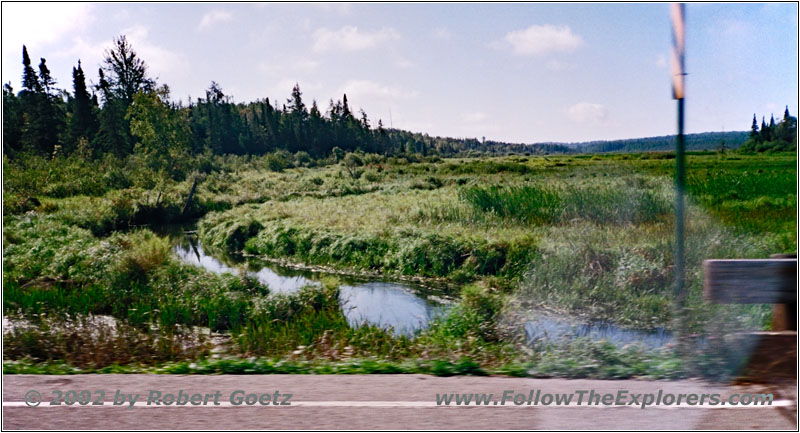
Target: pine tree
<point>43,114</point>
<point>786,130</point>
<point>113,133</point>
<point>82,123</point>
<point>764,131</point>
<point>346,114</point>
<point>122,75</point>
<point>30,82</point>
<point>296,105</point>
<point>48,83</point>
<point>754,135</point>
<point>317,131</point>
<point>125,71</point>
<point>12,120</point>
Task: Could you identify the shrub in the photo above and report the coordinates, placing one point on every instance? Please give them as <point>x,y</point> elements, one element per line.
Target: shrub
<point>144,252</point>
<point>351,163</point>
<point>277,161</point>
<point>372,176</point>
<point>302,159</point>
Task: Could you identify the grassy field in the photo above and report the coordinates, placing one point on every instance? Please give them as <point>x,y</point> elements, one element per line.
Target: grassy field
<point>586,236</point>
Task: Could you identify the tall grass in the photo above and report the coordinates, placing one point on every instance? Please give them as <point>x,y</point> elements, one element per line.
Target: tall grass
<point>85,341</point>
<point>589,236</point>
<point>626,277</point>
<point>751,200</point>
<point>311,324</point>
<point>544,205</point>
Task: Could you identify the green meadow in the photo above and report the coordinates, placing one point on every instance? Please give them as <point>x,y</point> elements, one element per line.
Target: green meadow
<point>90,283</point>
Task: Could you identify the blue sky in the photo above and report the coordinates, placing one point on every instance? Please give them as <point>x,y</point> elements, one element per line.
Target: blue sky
<point>513,72</point>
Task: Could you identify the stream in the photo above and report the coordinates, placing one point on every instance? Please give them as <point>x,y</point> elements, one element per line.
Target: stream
<point>405,307</point>
<point>401,306</point>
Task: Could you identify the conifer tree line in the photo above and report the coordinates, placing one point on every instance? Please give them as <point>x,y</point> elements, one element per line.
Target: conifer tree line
<point>772,136</point>
<point>126,112</point>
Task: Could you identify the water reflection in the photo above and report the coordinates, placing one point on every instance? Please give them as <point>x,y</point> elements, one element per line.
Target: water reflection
<point>547,328</point>
<point>384,304</point>
<point>192,253</point>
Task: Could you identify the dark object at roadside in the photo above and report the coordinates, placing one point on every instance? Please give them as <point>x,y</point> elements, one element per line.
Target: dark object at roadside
<point>764,281</point>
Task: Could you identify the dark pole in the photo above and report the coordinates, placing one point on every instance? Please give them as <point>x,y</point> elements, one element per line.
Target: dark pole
<point>678,74</point>
<point>680,186</point>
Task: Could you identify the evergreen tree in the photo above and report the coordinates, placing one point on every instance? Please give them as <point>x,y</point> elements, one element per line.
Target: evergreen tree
<point>125,71</point>
<point>754,135</point>
<point>12,121</point>
<point>82,123</point>
<point>786,130</point>
<point>317,131</point>
<point>30,82</point>
<point>113,134</point>
<point>122,76</point>
<point>764,131</point>
<point>296,105</point>
<point>43,116</point>
<point>346,114</point>
<point>48,83</point>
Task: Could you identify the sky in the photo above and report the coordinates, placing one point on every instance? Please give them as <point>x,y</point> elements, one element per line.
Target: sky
<point>514,72</point>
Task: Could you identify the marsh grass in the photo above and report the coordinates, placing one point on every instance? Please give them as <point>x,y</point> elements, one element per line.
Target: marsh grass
<point>754,200</point>
<point>547,205</point>
<point>585,235</point>
<point>86,342</point>
<point>311,324</point>
<point>626,277</point>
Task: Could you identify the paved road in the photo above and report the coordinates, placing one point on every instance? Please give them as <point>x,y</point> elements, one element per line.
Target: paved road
<point>375,402</point>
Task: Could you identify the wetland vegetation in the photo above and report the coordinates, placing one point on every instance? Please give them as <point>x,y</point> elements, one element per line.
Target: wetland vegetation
<point>478,241</point>
<point>501,239</point>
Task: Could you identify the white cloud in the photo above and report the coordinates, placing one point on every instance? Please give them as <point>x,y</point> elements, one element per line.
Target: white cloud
<point>477,124</point>
<point>306,65</point>
<point>442,34</point>
<point>587,113</point>
<point>301,65</point>
<point>38,24</point>
<point>661,61</point>
<point>339,8</point>
<point>214,17</point>
<point>90,54</point>
<point>162,63</point>
<point>350,38</point>
<point>771,107</point>
<point>543,39</point>
<point>736,27</point>
<point>366,89</point>
<point>474,117</point>
<point>404,63</point>
<point>557,65</point>
<point>122,15</point>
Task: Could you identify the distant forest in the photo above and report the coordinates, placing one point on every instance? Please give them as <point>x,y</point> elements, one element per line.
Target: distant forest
<point>701,141</point>
<point>127,112</point>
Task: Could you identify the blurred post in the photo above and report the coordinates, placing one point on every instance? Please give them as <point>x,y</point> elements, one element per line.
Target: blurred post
<point>678,45</point>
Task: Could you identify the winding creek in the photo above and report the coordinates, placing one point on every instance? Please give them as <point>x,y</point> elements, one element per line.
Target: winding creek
<point>405,307</point>
<point>387,304</point>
